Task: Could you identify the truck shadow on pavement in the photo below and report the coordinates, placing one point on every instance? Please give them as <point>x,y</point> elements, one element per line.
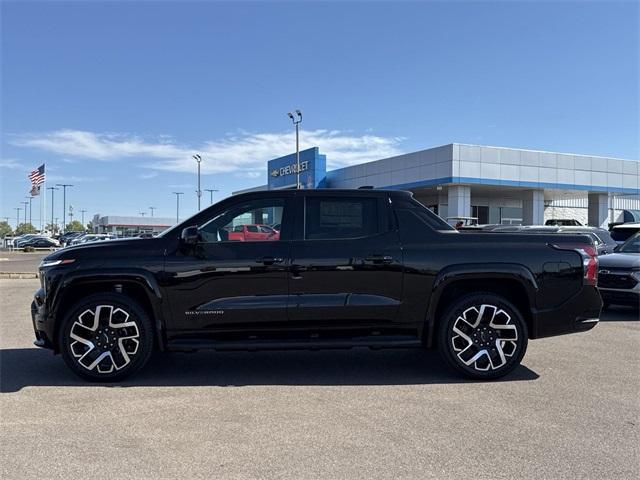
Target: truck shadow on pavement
<point>28,367</point>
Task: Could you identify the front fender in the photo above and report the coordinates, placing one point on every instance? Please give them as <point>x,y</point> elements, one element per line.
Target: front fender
<point>477,271</point>
<point>142,278</point>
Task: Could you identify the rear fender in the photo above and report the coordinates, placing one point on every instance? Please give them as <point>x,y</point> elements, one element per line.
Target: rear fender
<point>485,272</point>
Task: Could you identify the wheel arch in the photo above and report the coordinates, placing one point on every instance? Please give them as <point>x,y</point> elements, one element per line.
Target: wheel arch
<point>141,287</point>
<point>514,282</point>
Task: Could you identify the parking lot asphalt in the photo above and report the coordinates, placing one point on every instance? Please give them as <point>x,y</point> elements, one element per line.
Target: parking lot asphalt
<point>571,410</point>
<point>21,262</point>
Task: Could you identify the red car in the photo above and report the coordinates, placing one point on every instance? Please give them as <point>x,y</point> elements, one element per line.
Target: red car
<point>254,233</point>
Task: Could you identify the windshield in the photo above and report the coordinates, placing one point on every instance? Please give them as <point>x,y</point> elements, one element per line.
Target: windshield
<point>632,245</point>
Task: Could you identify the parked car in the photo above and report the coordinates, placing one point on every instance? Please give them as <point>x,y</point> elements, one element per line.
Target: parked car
<point>619,281</point>
<point>22,238</point>
<point>603,240</point>
<point>92,237</point>
<point>68,237</point>
<point>621,233</point>
<point>563,222</point>
<point>365,268</point>
<point>253,232</point>
<point>40,242</point>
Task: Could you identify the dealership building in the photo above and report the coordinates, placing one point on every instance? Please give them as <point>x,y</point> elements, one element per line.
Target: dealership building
<point>493,184</point>
<point>124,226</point>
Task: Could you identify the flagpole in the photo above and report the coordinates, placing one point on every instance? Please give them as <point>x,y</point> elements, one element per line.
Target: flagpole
<point>43,202</point>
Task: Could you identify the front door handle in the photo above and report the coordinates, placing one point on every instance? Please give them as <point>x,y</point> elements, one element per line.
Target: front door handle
<point>270,260</point>
<point>379,258</point>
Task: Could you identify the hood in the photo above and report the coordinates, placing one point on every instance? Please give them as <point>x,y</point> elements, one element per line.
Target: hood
<point>620,260</point>
<point>110,248</point>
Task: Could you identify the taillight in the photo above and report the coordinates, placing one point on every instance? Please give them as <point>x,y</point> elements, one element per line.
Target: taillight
<point>589,256</point>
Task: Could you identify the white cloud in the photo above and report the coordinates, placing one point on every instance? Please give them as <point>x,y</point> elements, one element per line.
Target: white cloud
<point>75,179</point>
<point>12,164</point>
<point>241,152</point>
<point>148,176</point>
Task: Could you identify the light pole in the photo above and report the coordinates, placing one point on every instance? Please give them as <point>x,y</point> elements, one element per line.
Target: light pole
<point>211,190</point>
<point>25,210</point>
<point>198,159</point>
<point>17,209</point>
<point>64,204</point>
<point>82,213</point>
<point>142,214</point>
<point>30,209</point>
<point>297,124</point>
<point>177,194</point>
<point>152,209</point>
<point>53,225</point>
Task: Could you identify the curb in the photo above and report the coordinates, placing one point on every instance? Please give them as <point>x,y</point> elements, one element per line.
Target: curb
<point>18,275</point>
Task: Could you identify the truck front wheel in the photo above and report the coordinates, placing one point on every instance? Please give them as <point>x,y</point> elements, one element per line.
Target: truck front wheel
<point>106,337</point>
<point>483,336</point>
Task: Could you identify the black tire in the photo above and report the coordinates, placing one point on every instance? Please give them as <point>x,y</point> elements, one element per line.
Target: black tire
<point>460,342</point>
<point>125,346</point>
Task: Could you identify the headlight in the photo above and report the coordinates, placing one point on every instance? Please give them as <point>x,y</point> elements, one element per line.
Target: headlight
<point>636,275</point>
<point>51,263</point>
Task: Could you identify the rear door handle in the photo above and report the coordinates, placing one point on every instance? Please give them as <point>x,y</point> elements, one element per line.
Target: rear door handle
<point>270,260</point>
<point>379,258</point>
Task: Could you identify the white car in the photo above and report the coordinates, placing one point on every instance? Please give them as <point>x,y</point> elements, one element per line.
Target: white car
<point>620,233</point>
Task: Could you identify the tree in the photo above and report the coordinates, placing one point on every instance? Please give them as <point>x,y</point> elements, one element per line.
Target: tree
<point>53,228</point>
<point>90,226</point>
<point>75,226</point>
<point>25,228</point>
<point>5,229</point>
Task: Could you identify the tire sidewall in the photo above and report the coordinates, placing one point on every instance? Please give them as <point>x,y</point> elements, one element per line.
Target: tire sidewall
<point>135,311</point>
<point>446,331</point>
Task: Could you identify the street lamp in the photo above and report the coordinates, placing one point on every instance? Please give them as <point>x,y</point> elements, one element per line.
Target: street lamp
<point>17,209</point>
<point>152,209</point>
<point>211,190</point>
<point>25,210</point>
<point>30,209</point>
<point>53,225</point>
<point>177,194</point>
<point>297,124</point>
<point>198,159</point>
<point>82,212</point>
<point>64,204</point>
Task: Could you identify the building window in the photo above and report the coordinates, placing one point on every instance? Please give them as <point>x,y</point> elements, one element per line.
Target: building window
<point>481,213</point>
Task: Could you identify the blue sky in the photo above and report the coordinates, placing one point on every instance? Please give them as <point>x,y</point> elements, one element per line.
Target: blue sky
<point>115,97</point>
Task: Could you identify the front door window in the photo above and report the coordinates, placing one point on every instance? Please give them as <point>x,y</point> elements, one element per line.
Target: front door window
<point>255,221</point>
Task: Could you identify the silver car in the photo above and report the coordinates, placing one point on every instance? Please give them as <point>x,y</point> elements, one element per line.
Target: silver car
<point>619,274</point>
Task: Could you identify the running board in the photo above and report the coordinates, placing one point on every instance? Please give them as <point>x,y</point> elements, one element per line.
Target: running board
<point>255,345</point>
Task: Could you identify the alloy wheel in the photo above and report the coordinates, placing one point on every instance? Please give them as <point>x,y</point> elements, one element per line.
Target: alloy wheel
<point>104,339</point>
<point>484,337</point>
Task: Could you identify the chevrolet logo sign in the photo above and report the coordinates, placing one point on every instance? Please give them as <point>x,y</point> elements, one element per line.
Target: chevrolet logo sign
<point>275,172</point>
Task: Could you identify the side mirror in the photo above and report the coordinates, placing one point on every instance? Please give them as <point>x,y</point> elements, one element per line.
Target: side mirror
<point>190,235</point>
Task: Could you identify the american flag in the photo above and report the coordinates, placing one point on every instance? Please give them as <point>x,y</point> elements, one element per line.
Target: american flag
<point>36,178</point>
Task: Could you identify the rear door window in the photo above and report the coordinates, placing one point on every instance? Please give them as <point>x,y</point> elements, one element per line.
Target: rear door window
<point>340,217</point>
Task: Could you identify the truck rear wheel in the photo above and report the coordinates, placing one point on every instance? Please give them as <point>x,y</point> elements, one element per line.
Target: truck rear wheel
<point>106,337</point>
<point>483,336</point>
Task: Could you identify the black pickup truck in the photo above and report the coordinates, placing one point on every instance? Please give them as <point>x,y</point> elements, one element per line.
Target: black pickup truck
<point>330,269</point>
